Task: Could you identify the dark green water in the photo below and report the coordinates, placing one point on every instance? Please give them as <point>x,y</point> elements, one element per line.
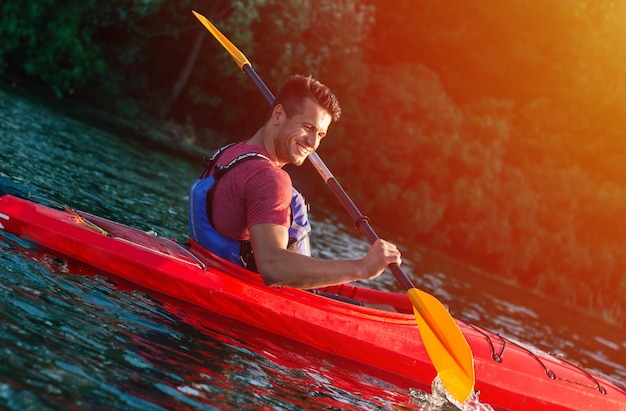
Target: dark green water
<point>72,338</point>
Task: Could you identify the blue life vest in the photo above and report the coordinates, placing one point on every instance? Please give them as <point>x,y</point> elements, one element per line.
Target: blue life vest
<point>237,251</point>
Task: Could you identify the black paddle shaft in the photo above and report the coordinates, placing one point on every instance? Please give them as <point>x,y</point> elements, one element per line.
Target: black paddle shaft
<point>252,75</point>
<point>360,221</point>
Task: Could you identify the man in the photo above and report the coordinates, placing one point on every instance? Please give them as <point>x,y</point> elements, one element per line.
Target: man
<point>244,210</point>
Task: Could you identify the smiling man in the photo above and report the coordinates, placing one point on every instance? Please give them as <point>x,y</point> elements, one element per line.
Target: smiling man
<point>245,209</point>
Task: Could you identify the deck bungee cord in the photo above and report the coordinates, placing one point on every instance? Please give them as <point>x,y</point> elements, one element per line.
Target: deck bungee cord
<point>499,357</point>
<point>10,188</point>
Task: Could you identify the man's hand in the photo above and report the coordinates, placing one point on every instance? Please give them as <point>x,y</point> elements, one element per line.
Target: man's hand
<point>381,254</point>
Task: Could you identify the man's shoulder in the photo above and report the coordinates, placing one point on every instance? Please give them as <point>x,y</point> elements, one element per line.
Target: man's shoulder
<point>240,149</point>
<point>252,168</point>
<point>257,169</point>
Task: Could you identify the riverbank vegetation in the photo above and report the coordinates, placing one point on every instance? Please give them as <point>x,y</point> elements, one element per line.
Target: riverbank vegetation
<point>493,131</point>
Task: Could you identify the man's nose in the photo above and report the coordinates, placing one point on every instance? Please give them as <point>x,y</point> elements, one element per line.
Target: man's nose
<point>313,139</point>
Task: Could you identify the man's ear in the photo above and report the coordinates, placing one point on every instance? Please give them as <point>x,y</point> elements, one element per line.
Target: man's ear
<point>277,112</point>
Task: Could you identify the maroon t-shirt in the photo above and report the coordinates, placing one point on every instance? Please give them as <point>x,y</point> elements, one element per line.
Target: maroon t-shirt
<point>252,192</point>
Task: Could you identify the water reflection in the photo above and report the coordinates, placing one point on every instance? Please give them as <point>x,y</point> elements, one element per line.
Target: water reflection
<point>75,341</point>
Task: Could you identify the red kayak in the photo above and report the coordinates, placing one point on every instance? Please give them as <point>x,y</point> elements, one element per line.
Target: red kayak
<point>340,320</point>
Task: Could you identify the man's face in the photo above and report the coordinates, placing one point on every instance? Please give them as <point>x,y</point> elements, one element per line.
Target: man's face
<point>300,135</point>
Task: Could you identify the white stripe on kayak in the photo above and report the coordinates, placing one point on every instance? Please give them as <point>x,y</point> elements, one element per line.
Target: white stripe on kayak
<point>3,216</point>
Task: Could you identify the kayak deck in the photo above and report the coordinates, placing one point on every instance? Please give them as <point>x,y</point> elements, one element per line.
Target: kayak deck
<point>509,375</point>
<point>194,254</point>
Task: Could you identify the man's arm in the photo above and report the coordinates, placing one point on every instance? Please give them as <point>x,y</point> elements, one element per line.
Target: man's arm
<point>281,267</point>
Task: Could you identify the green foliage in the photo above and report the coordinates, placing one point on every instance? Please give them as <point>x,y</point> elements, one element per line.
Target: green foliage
<point>531,182</point>
<point>73,48</point>
<point>50,43</point>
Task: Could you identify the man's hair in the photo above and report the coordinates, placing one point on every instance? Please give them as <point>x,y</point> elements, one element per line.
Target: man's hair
<point>294,93</point>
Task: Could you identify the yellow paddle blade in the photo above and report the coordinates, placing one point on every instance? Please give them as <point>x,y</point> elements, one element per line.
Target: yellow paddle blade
<point>237,55</point>
<point>445,344</point>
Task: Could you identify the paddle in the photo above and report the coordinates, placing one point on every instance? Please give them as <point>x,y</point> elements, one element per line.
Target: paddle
<point>445,344</point>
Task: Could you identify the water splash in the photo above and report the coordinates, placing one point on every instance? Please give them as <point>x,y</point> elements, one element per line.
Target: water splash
<point>441,400</point>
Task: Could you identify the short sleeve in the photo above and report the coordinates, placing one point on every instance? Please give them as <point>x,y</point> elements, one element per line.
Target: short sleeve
<point>267,195</point>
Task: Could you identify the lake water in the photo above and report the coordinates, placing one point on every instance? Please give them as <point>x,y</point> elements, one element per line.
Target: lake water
<point>74,338</point>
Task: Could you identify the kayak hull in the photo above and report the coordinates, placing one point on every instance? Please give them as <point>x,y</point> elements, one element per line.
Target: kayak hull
<point>509,376</point>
